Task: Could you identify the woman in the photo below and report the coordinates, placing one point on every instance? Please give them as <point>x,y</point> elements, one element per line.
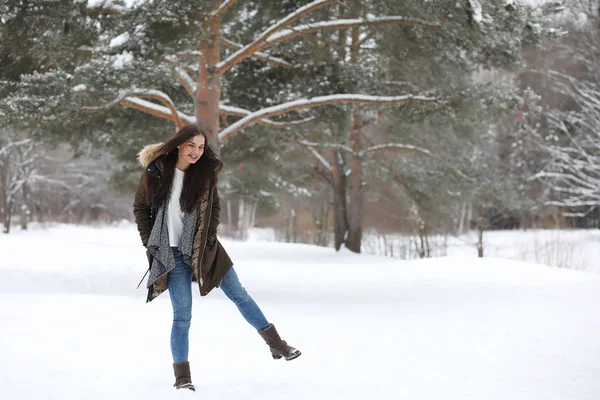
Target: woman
<point>177,214</point>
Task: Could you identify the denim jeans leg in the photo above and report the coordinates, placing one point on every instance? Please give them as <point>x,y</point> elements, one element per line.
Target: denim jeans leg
<point>180,291</point>
<point>234,290</point>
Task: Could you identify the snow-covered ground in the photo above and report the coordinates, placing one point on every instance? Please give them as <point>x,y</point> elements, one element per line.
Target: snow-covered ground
<point>73,326</point>
<point>568,248</point>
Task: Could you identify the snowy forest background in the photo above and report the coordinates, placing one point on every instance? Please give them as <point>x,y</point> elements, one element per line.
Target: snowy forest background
<point>385,126</point>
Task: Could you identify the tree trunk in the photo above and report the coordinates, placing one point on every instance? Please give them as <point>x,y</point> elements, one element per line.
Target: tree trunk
<point>340,221</point>
<point>356,195</point>
<point>290,232</point>
<point>7,216</point>
<point>208,92</point>
<point>242,229</point>
<point>6,201</point>
<point>422,239</point>
<point>25,208</point>
<point>229,217</point>
<point>253,214</point>
<point>479,240</point>
<point>463,217</point>
<point>356,199</point>
<point>3,192</point>
<point>246,217</point>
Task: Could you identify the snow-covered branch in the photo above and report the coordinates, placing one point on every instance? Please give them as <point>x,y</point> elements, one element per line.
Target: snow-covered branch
<point>242,112</point>
<point>223,7</point>
<point>4,150</point>
<point>476,11</point>
<point>133,99</point>
<point>191,53</point>
<point>185,80</point>
<point>320,159</point>
<point>573,144</point>
<point>394,146</point>
<point>287,34</point>
<point>314,102</point>
<point>154,109</point>
<point>255,46</point>
<point>166,100</point>
<point>328,145</point>
<point>259,55</point>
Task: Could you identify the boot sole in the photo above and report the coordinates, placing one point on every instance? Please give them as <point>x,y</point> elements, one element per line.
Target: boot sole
<point>189,386</point>
<point>293,357</point>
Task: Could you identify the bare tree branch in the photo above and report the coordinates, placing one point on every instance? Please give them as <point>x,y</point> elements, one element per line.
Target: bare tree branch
<point>284,108</point>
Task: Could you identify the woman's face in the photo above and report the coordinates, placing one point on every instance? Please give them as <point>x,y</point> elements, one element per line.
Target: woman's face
<point>192,150</point>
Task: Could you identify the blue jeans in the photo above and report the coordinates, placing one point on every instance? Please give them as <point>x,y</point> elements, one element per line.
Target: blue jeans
<point>180,291</point>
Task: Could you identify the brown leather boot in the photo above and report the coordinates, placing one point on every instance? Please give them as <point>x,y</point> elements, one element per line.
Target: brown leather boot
<point>183,377</point>
<point>279,348</point>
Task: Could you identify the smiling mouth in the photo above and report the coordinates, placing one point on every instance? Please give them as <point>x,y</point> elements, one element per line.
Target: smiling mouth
<point>193,157</point>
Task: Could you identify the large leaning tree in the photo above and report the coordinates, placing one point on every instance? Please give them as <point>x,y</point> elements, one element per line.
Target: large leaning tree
<point>172,60</point>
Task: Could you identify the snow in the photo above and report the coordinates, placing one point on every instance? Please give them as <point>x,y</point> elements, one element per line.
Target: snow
<point>122,59</point>
<point>74,327</point>
<point>79,88</point>
<point>119,40</point>
<point>476,8</point>
<point>110,4</point>
<point>574,249</point>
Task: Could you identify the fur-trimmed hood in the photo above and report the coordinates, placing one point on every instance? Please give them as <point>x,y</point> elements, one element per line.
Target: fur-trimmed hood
<point>148,154</point>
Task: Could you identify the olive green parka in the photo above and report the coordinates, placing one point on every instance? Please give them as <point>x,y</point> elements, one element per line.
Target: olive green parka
<point>210,261</point>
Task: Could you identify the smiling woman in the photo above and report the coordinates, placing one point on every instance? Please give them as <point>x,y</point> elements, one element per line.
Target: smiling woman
<point>190,151</point>
<point>177,214</point>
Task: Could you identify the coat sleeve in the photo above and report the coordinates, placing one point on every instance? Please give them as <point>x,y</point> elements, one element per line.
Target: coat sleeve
<point>214,218</point>
<point>142,212</point>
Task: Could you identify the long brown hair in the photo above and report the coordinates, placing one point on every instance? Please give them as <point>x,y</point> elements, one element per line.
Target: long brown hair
<point>199,177</point>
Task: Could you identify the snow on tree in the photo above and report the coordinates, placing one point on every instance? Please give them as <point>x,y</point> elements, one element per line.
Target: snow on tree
<point>569,131</point>
<point>184,62</point>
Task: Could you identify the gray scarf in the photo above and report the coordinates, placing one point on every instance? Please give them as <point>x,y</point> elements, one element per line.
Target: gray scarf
<point>163,260</point>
